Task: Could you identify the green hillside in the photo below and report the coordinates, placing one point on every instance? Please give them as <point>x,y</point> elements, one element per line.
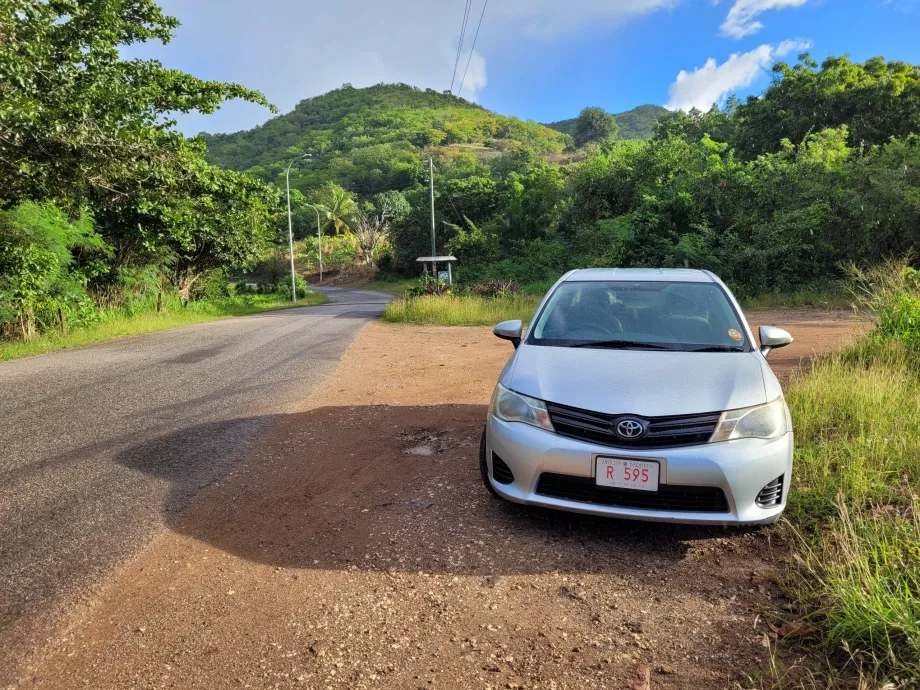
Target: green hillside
<point>637,123</point>
<point>369,140</point>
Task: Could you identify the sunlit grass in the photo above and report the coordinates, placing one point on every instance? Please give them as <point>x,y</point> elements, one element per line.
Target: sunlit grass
<point>450,310</point>
<point>115,324</point>
<point>854,506</point>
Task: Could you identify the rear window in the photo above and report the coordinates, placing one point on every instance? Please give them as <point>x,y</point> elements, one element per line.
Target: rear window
<point>658,314</point>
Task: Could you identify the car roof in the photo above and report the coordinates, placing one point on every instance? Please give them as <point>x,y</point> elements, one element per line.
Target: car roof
<point>682,275</point>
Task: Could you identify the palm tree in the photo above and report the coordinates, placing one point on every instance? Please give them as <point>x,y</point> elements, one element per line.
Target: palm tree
<point>338,208</point>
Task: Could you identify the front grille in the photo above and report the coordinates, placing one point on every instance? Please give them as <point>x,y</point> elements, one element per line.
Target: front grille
<point>772,494</point>
<point>663,432</point>
<point>694,499</point>
<point>500,471</point>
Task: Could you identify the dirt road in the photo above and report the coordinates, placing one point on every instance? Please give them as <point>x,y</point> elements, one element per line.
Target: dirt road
<point>354,547</point>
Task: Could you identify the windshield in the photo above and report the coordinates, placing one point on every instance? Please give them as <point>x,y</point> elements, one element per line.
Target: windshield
<point>641,315</point>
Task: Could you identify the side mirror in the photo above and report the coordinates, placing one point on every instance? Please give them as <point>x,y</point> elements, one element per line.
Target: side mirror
<point>771,337</point>
<point>509,330</point>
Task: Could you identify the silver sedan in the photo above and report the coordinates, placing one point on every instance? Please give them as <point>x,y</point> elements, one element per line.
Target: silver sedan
<point>640,393</point>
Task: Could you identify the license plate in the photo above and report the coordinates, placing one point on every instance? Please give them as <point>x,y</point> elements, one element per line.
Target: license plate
<point>627,474</point>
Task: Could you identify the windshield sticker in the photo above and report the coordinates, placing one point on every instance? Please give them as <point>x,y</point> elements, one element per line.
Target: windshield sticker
<point>733,334</point>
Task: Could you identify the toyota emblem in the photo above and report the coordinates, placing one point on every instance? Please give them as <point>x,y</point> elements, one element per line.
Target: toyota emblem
<point>630,429</point>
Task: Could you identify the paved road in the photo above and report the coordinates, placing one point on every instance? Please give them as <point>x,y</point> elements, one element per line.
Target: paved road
<point>98,445</point>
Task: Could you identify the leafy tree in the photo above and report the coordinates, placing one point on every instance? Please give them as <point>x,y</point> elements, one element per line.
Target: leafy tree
<point>40,269</point>
<point>595,124</point>
<point>76,120</point>
<point>337,207</point>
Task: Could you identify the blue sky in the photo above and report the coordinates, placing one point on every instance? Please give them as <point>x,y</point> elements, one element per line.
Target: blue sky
<point>536,59</point>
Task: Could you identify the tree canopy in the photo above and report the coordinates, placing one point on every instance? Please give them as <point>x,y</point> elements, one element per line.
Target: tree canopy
<point>90,132</point>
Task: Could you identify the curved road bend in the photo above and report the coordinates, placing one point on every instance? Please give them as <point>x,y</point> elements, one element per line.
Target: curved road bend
<point>98,444</point>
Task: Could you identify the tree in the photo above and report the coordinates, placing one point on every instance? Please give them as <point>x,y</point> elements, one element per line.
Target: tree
<point>372,226</point>
<point>337,207</point>
<point>595,124</point>
<point>190,217</point>
<point>370,231</point>
<point>77,122</point>
<point>38,270</point>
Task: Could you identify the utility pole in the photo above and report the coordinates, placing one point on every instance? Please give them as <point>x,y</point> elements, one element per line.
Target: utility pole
<point>287,179</point>
<point>434,251</point>
<point>319,241</point>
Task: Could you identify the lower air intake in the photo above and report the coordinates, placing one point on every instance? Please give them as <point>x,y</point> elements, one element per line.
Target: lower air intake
<point>772,494</point>
<point>500,471</point>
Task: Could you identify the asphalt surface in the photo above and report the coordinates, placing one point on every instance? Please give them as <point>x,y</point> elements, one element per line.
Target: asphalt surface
<point>99,445</point>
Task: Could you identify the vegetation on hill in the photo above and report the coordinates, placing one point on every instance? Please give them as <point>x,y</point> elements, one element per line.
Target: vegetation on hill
<point>371,140</point>
<point>638,123</point>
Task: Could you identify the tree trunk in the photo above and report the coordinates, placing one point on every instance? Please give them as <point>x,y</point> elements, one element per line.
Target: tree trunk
<point>186,280</point>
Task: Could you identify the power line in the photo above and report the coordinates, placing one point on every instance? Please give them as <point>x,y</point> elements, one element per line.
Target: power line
<point>481,15</point>
<point>466,14</point>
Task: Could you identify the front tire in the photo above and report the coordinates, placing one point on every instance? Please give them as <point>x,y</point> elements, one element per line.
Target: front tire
<point>484,466</point>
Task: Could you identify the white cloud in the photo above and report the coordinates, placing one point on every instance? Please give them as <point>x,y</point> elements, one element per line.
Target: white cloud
<point>471,75</point>
<point>712,83</point>
<point>294,49</point>
<point>742,17</point>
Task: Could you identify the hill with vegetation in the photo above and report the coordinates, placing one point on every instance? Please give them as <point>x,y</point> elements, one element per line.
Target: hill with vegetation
<point>638,123</point>
<point>369,140</point>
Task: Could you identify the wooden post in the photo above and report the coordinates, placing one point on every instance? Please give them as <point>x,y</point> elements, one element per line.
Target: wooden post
<point>60,316</point>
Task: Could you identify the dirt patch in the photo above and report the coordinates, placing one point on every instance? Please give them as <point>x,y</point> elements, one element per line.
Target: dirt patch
<point>355,547</point>
<point>815,333</point>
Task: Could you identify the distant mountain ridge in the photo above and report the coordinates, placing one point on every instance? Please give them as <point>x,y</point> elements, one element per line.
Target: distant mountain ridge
<point>638,123</point>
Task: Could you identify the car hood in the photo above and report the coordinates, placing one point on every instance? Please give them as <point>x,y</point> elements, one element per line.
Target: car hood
<point>651,383</point>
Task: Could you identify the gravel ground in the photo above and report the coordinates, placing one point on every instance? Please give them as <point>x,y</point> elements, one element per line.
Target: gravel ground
<point>353,546</point>
<point>101,445</point>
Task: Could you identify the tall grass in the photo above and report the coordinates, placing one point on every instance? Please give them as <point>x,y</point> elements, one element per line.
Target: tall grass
<point>452,310</point>
<point>117,323</point>
<point>831,297</point>
<point>854,504</point>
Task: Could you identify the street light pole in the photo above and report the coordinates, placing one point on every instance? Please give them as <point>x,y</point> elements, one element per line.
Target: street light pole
<point>434,251</point>
<point>287,179</point>
<point>319,241</point>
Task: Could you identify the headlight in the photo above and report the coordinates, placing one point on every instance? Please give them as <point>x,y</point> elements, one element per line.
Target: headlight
<point>514,407</point>
<point>761,421</point>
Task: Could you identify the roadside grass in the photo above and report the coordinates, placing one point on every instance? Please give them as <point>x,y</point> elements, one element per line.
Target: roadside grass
<point>854,510</point>
<point>116,324</point>
<point>829,298</point>
<point>454,310</point>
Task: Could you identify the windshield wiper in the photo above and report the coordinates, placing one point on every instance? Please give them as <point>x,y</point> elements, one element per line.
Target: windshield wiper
<point>623,344</point>
<point>718,348</point>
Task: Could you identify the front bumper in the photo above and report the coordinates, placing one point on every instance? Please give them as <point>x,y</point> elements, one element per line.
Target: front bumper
<point>740,468</point>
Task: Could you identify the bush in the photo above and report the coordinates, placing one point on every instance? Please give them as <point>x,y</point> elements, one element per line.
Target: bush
<point>284,287</point>
<point>427,285</point>
<point>496,288</point>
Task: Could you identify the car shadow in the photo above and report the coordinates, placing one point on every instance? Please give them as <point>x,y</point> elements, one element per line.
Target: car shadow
<point>388,488</point>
